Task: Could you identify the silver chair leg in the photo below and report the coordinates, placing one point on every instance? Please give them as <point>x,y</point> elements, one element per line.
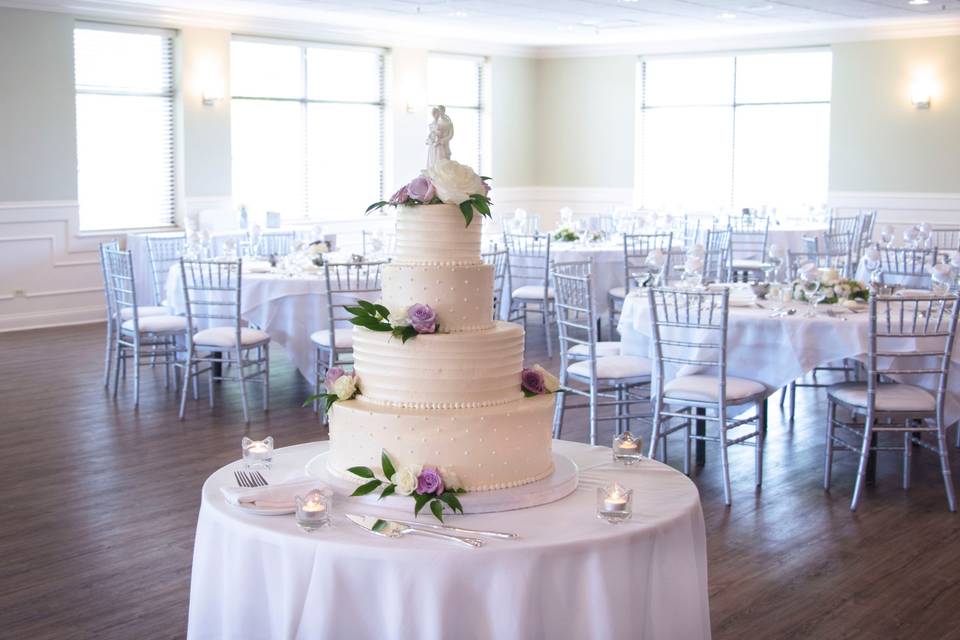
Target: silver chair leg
<point>793,400</point>
<point>108,355</point>
<point>907,455</point>
<point>828,445</point>
<point>243,385</point>
<point>724,459</point>
<point>266,377</point>
<point>136,373</point>
<point>655,432</point>
<point>559,406</point>
<point>945,465</point>
<point>188,374</point>
<point>761,434</point>
<point>117,367</point>
<point>862,469</point>
<point>593,412</point>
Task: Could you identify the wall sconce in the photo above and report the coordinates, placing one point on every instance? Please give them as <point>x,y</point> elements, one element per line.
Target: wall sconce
<point>212,95</point>
<point>922,91</point>
<point>415,105</point>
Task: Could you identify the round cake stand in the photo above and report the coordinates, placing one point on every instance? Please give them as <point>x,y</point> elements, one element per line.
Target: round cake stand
<point>561,483</point>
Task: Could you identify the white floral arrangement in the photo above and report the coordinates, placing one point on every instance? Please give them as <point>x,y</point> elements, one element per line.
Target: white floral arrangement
<point>834,287</point>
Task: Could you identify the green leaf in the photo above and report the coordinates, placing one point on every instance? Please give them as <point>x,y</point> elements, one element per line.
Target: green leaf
<point>366,488</point>
<point>329,399</point>
<point>387,464</point>
<point>485,178</point>
<point>407,332</point>
<point>529,394</point>
<point>357,311</point>
<point>451,499</point>
<point>379,525</point>
<point>376,205</point>
<point>363,472</point>
<point>466,208</point>
<point>481,205</point>
<point>437,508</point>
<point>420,501</point>
<point>313,398</point>
<point>387,491</point>
<point>382,310</point>
<point>371,323</point>
<point>368,307</point>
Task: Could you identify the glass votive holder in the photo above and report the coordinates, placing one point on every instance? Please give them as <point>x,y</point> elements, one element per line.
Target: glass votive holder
<point>626,448</point>
<point>257,454</point>
<point>313,509</point>
<point>614,503</point>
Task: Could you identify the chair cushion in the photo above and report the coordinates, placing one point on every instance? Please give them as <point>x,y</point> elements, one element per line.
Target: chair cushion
<point>158,324</point>
<point>344,338</point>
<point>706,388</point>
<point>532,292</point>
<point>748,264</point>
<point>613,368</point>
<point>226,337</point>
<point>127,312</point>
<point>890,397</point>
<point>603,349</point>
<point>618,292</point>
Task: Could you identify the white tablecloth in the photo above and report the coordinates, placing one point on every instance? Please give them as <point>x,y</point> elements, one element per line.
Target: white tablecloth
<point>775,351</point>
<point>569,576</point>
<point>288,308</point>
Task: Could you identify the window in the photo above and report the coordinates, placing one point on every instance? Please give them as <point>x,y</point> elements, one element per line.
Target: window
<point>125,150</point>
<point>307,127</point>
<point>747,130</point>
<point>456,82</point>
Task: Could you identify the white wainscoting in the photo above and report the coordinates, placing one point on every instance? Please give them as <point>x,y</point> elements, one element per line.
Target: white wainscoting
<point>901,209</point>
<point>547,201</point>
<point>49,271</point>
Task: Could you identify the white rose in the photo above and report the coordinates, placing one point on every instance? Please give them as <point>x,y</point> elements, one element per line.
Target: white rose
<point>318,249</point>
<point>550,381</point>
<point>406,480</point>
<point>450,478</point>
<point>398,316</point>
<point>345,387</point>
<point>455,182</point>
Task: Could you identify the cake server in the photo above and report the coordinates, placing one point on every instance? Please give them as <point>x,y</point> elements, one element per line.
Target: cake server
<point>391,529</point>
<point>447,527</point>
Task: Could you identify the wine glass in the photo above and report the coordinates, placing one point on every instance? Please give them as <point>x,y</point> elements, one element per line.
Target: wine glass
<point>810,283</point>
<point>888,236</point>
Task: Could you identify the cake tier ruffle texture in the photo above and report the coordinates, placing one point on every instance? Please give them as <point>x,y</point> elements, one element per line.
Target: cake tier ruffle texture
<point>461,294</point>
<point>489,448</point>
<point>435,234</point>
<point>442,371</point>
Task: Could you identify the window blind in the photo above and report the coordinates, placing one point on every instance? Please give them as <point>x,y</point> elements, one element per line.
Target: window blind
<point>456,82</point>
<point>125,126</point>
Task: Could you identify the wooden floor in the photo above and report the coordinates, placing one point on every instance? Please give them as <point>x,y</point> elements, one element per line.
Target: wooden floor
<point>99,503</point>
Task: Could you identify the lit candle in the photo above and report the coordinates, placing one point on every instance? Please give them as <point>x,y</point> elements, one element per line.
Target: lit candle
<point>313,509</point>
<point>257,453</point>
<point>616,501</point>
<point>613,503</point>
<point>628,446</point>
<point>626,449</point>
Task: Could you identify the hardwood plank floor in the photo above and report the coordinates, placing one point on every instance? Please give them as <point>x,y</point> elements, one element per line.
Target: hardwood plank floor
<point>99,503</point>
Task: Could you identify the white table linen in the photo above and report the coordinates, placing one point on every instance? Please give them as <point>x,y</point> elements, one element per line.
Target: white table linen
<point>288,308</point>
<point>569,576</point>
<point>775,351</point>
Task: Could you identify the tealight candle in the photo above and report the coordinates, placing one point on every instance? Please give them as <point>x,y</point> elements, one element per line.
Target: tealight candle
<point>313,509</point>
<point>257,453</point>
<point>614,503</point>
<point>626,448</point>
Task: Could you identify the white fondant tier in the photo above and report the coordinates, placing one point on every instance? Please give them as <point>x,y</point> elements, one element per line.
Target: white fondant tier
<point>436,234</point>
<point>461,295</point>
<point>488,448</point>
<point>440,371</point>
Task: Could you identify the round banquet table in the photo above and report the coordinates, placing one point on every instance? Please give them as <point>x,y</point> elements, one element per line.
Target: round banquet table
<point>570,575</point>
<point>776,351</point>
<point>288,307</point>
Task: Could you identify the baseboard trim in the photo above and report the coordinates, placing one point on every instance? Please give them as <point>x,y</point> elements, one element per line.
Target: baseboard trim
<point>45,319</point>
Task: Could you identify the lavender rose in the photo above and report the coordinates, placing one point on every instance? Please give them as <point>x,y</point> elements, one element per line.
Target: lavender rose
<point>400,197</point>
<point>532,381</point>
<point>422,318</point>
<point>430,481</point>
<point>420,188</point>
<point>333,374</point>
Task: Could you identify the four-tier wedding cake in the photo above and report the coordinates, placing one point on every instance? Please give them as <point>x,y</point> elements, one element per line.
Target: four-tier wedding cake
<point>444,387</point>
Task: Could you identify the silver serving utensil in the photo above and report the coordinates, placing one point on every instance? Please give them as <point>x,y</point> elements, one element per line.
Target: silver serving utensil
<point>391,529</point>
<point>446,527</point>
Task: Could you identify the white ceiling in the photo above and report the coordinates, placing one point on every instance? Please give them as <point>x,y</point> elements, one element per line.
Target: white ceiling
<point>552,23</point>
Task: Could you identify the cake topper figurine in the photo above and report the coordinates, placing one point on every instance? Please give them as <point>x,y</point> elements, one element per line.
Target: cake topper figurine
<point>438,141</point>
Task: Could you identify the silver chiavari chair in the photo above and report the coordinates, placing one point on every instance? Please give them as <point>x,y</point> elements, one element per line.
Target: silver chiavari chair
<point>500,261</point>
<point>636,249</point>
<point>852,226</point>
<point>690,334</point>
<point>868,222</point>
<point>716,262</point>
<point>905,265</point>
<point>611,380</point>
<point>748,246</point>
<point>910,340</point>
<point>112,325</point>
<point>212,292</point>
<point>272,244</point>
<point>529,260</point>
<point>138,336</point>
<point>945,238</point>
<point>345,284</point>
<point>164,252</point>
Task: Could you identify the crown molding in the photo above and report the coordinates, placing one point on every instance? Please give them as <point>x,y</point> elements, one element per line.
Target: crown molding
<point>778,39</point>
<point>246,24</point>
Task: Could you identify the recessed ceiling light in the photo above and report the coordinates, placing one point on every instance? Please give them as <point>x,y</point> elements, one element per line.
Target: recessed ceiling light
<point>727,16</point>
<point>919,2</point>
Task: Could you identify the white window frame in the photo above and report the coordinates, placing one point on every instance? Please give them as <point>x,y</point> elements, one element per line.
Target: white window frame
<point>483,118</point>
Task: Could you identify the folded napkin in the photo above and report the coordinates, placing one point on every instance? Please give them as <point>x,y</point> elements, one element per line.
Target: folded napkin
<point>275,496</point>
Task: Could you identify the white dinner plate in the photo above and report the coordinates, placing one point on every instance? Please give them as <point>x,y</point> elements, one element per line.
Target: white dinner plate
<point>273,511</point>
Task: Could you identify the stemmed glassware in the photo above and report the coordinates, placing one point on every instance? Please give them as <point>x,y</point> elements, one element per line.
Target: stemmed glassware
<point>810,281</point>
<point>888,236</point>
<point>871,260</point>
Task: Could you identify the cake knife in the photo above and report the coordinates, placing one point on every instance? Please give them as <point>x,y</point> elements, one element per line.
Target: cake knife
<point>390,529</point>
<point>446,527</point>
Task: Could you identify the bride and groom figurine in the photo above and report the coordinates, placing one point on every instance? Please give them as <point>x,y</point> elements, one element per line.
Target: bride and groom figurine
<point>438,141</point>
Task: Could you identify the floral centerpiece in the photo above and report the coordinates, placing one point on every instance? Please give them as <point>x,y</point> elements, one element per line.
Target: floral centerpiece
<point>834,287</point>
<point>402,323</point>
<point>446,182</point>
<point>566,234</point>
<point>537,381</point>
<point>339,385</point>
<point>427,485</point>
<point>316,250</point>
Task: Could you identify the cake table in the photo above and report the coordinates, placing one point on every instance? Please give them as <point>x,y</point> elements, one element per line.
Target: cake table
<point>569,576</point>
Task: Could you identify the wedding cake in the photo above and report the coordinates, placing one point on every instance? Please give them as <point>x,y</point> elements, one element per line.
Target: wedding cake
<point>437,382</point>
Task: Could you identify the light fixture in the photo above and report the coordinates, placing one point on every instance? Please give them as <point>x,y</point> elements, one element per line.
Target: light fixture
<point>922,90</point>
<point>212,95</point>
<point>919,3</point>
